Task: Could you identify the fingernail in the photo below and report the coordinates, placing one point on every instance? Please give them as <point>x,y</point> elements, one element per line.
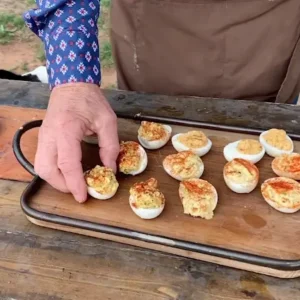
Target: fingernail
<point>80,199</point>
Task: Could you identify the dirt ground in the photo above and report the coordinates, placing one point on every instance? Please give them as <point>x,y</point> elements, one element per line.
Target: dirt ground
<point>14,7</point>
<point>24,52</point>
<point>18,56</point>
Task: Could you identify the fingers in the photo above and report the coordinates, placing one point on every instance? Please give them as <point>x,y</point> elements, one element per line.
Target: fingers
<point>83,110</point>
<point>69,163</point>
<point>46,162</point>
<point>109,141</point>
<point>58,161</point>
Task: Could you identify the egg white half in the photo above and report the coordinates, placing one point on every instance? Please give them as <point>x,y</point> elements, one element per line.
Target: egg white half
<point>144,162</point>
<point>271,150</point>
<point>216,197</point>
<point>285,173</point>
<point>240,188</point>
<point>92,192</point>
<point>145,213</point>
<point>276,205</point>
<point>281,209</point>
<point>152,145</point>
<point>181,147</point>
<point>230,152</point>
<point>180,178</point>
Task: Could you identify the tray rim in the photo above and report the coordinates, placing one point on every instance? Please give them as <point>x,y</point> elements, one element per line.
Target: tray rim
<point>264,261</point>
<point>34,185</point>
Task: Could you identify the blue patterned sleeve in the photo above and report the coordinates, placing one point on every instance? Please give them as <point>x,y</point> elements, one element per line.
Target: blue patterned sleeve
<point>69,31</point>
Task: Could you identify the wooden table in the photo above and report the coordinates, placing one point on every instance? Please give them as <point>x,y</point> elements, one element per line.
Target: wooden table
<point>38,263</point>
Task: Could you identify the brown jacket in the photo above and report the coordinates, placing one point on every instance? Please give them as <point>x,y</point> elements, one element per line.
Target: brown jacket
<point>238,49</point>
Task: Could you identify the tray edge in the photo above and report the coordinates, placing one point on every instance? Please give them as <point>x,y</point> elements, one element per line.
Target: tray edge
<point>200,249</point>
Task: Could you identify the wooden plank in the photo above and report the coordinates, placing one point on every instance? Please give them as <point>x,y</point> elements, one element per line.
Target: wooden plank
<point>243,223</point>
<point>219,111</point>
<point>190,254</point>
<point>11,118</point>
<point>38,263</point>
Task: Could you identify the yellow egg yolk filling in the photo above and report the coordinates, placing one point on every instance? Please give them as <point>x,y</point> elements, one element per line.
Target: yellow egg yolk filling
<point>193,139</point>
<point>278,139</point>
<point>147,195</point>
<point>198,199</point>
<point>151,131</point>
<point>129,157</point>
<point>102,180</point>
<point>185,164</point>
<point>289,163</point>
<point>249,147</point>
<point>284,193</point>
<point>241,171</point>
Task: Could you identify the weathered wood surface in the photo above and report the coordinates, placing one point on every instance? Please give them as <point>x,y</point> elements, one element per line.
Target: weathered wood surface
<point>38,263</point>
<point>218,111</point>
<point>11,119</point>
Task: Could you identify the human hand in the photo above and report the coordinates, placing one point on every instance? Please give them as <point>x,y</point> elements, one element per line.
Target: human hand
<point>75,110</point>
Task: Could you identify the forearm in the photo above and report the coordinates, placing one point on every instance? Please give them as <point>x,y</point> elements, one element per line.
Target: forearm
<point>69,31</point>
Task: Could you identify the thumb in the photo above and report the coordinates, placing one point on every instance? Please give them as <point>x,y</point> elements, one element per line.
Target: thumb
<point>108,141</point>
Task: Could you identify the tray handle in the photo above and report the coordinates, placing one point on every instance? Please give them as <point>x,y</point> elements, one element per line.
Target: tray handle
<point>17,147</point>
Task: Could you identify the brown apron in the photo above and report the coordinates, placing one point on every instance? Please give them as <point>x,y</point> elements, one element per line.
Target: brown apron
<point>238,49</point>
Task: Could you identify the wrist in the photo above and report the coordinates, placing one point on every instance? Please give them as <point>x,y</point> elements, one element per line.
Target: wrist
<point>77,85</point>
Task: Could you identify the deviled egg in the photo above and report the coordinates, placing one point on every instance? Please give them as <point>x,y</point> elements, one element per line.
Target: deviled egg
<point>251,150</point>
<point>241,176</point>
<point>276,142</point>
<point>287,165</point>
<point>146,200</point>
<point>183,165</point>
<point>198,197</point>
<point>195,141</point>
<point>153,135</point>
<point>101,183</point>
<point>282,193</point>
<point>132,158</point>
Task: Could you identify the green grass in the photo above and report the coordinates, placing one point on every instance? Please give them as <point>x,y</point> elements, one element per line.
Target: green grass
<point>106,55</point>
<point>105,3</point>
<point>24,67</point>
<point>9,26</point>
<point>112,86</point>
<point>103,21</point>
<point>31,2</point>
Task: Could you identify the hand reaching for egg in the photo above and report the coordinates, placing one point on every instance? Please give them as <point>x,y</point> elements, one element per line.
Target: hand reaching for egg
<point>75,110</point>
